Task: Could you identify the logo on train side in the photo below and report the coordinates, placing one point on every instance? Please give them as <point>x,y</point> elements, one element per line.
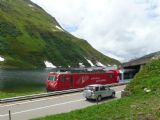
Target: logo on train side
<point>83,79</point>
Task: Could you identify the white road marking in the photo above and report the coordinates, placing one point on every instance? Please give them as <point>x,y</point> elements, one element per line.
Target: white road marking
<point>42,107</point>
<point>41,99</point>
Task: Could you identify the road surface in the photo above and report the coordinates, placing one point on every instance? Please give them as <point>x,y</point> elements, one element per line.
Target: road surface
<point>29,109</point>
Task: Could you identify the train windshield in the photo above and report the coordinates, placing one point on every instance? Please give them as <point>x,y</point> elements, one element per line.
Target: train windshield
<point>52,78</point>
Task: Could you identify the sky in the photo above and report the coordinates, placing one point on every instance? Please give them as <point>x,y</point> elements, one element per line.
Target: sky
<point>121,29</point>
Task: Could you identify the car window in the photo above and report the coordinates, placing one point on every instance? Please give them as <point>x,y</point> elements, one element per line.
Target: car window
<point>96,89</point>
<point>107,88</point>
<point>102,88</point>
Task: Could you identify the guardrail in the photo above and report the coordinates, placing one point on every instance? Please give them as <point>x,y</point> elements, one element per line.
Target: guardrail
<point>35,96</point>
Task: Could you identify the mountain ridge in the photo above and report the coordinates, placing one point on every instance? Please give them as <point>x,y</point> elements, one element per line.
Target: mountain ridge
<point>29,36</point>
<point>143,59</point>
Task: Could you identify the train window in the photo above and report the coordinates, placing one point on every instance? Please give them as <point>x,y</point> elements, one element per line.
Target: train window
<point>63,78</point>
<point>52,78</point>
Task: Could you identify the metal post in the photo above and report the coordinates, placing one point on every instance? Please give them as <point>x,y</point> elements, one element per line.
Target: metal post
<point>97,100</point>
<point>9,115</point>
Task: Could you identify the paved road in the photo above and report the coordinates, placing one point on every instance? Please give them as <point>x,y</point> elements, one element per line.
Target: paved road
<point>28,109</point>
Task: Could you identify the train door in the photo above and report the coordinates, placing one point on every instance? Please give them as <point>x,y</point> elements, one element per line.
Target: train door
<point>62,82</point>
<point>121,75</point>
<point>71,82</point>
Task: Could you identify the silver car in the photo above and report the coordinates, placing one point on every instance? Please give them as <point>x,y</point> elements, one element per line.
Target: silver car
<point>97,92</point>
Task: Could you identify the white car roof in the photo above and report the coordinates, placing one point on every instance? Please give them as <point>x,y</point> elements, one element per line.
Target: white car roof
<point>95,85</point>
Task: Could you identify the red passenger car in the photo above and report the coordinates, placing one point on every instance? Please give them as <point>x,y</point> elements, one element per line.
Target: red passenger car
<point>78,78</point>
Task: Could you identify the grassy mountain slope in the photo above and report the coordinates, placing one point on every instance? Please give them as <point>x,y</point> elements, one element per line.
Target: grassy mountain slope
<point>140,105</point>
<point>29,36</point>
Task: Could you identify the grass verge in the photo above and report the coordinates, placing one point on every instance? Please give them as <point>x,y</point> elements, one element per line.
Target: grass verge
<point>137,107</point>
<point>20,92</point>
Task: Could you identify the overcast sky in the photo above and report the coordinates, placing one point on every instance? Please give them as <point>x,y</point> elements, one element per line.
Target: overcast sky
<point>122,29</point>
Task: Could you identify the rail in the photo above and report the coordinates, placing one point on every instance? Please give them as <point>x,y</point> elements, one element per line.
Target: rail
<point>35,96</point>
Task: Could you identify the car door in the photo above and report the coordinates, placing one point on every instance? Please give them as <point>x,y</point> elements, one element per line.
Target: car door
<point>102,91</point>
<point>107,91</point>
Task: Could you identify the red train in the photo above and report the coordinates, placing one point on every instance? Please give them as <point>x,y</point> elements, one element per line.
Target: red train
<point>63,79</point>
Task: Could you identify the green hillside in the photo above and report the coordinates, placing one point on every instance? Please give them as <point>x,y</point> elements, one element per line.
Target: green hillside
<point>29,36</point>
<point>140,105</point>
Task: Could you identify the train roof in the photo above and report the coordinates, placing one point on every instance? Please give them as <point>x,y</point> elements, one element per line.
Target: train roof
<point>81,70</point>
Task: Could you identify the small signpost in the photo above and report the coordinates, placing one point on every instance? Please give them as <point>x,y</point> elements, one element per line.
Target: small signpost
<point>9,115</point>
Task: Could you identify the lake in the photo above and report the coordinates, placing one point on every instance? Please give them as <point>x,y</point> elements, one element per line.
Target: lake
<point>19,79</point>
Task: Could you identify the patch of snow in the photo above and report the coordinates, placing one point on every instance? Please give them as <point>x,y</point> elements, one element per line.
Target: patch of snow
<point>109,65</point>
<point>1,59</point>
<point>81,65</point>
<point>59,28</point>
<point>113,67</point>
<point>49,64</point>
<point>90,62</point>
<point>30,5</point>
<point>100,64</point>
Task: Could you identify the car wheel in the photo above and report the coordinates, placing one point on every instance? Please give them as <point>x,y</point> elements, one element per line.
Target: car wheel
<point>87,99</point>
<point>99,98</point>
<point>113,95</point>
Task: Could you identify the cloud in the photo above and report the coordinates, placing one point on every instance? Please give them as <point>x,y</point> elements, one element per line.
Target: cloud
<point>121,29</point>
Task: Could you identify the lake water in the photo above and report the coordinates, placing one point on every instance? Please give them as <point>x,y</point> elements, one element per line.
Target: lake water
<point>19,79</point>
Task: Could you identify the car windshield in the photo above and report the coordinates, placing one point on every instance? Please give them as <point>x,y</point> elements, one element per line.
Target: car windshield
<point>89,88</point>
<point>52,78</point>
